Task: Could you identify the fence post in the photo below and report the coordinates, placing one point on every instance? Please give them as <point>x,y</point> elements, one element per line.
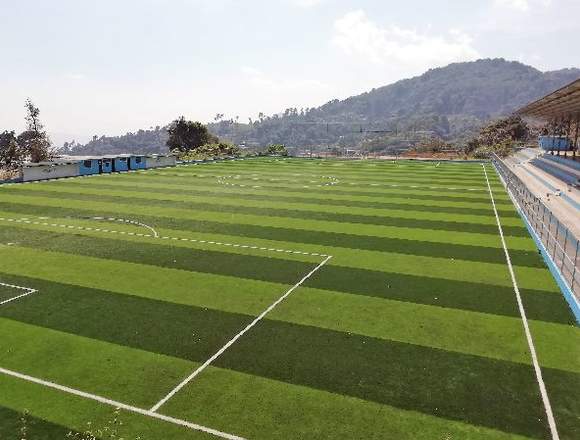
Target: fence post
<point>575,261</point>
<point>564,252</point>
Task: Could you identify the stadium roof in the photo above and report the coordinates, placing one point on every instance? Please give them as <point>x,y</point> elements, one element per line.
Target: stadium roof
<point>561,104</point>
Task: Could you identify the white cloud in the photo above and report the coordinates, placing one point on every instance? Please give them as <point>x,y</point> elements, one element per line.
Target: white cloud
<point>357,35</point>
<point>307,3</point>
<point>259,79</point>
<point>522,5</point>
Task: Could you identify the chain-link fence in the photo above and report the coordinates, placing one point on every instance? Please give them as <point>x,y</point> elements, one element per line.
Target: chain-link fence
<point>560,243</point>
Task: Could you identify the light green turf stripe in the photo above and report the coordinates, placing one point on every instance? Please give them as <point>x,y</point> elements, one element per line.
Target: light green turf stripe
<point>75,412</point>
<point>236,219</point>
<point>167,237</point>
<point>229,294</point>
<point>141,197</point>
<point>461,270</point>
<point>262,408</point>
<point>395,197</point>
<point>94,366</point>
<point>480,334</point>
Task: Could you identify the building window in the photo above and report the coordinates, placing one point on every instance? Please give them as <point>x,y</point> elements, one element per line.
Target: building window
<point>87,163</point>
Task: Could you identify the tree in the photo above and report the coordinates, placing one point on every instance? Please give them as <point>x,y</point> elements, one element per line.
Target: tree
<point>34,142</point>
<point>277,149</point>
<point>11,155</point>
<point>188,135</point>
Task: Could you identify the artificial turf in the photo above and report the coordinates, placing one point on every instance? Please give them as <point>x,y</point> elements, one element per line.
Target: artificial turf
<point>411,330</point>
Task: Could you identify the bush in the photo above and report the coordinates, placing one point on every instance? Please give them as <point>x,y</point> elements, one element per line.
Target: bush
<point>277,149</point>
<point>219,149</point>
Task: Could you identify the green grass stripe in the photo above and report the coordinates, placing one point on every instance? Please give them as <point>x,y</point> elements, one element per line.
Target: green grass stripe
<point>402,218</point>
<point>11,423</point>
<point>75,412</point>
<point>161,254</point>
<point>230,294</point>
<point>192,194</point>
<point>492,336</point>
<point>435,194</point>
<point>475,178</point>
<point>472,296</point>
<point>263,408</point>
<point>83,362</point>
<point>454,270</point>
<point>368,368</point>
<point>311,180</point>
<point>272,228</point>
<point>488,273</point>
<point>399,195</point>
<point>481,391</point>
<point>452,330</point>
<point>253,293</point>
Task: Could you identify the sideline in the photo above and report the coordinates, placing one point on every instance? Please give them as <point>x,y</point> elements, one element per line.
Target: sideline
<point>537,369</point>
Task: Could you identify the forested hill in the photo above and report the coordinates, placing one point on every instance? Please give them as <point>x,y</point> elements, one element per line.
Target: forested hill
<point>451,102</point>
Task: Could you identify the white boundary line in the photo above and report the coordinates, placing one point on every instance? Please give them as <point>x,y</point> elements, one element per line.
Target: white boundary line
<point>537,369</point>
<point>132,222</point>
<point>192,240</point>
<point>236,337</point>
<point>120,405</point>
<point>28,292</point>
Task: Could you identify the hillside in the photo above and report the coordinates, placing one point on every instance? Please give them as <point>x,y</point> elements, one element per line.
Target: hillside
<point>451,102</point>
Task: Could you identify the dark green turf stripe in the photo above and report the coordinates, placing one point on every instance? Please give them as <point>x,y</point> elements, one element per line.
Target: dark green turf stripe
<point>439,292</point>
<point>358,180</point>
<point>564,395</point>
<point>324,239</point>
<point>472,389</point>
<point>448,195</point>
<point>305,200</point>
<point>161,255</point>
<point>36,429</point>
<point>490,229</point>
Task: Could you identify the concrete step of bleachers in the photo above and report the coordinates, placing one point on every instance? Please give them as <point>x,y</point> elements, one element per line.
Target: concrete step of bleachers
<point>567,175</point>
<point>564,162</point>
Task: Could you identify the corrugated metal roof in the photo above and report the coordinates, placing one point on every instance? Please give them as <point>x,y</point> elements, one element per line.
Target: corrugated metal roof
<point>561,104</point>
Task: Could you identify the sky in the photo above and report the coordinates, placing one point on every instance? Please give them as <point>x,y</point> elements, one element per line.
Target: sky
<point>106,67</point>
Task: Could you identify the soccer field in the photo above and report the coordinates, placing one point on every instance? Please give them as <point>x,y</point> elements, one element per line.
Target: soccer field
<point>281,299</point>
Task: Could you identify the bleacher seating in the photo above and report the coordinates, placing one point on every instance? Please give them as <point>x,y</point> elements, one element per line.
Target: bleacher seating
<point>561,171</point>
<point>564,161</point>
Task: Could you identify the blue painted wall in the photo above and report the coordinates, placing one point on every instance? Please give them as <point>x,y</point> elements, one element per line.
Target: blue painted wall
<point>121,164</point>
<point>90,166</point>
<point>137,163</point>
<point>554,143</point>
<point>106,165</point>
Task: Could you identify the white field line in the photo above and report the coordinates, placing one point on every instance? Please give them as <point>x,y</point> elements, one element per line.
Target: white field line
<point>120,405</point>
<point>537,369</point>
<point>192,240</point>
<point>236,337</point>
<point>397,185</point>
<point>27,292</point>
<point>132,222</point>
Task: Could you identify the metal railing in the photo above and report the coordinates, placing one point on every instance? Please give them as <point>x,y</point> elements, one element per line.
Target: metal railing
<point>559,242</point>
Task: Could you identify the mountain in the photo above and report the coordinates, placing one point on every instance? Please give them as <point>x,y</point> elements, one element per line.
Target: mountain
<point>451,102</point>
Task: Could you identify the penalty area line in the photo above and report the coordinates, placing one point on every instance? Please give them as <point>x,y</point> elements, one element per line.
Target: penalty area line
<point>119,405</point>
<point>531,346</point>
<point>28,291</point>
<point>232,341</point>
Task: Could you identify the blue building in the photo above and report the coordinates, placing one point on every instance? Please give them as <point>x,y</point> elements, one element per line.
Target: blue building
<point>106,165</point>
<point>137,163</point>
<point>89,166</point>
<point>554,143</point>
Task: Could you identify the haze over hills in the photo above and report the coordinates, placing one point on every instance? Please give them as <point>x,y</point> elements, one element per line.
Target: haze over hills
<point>451,102</point>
